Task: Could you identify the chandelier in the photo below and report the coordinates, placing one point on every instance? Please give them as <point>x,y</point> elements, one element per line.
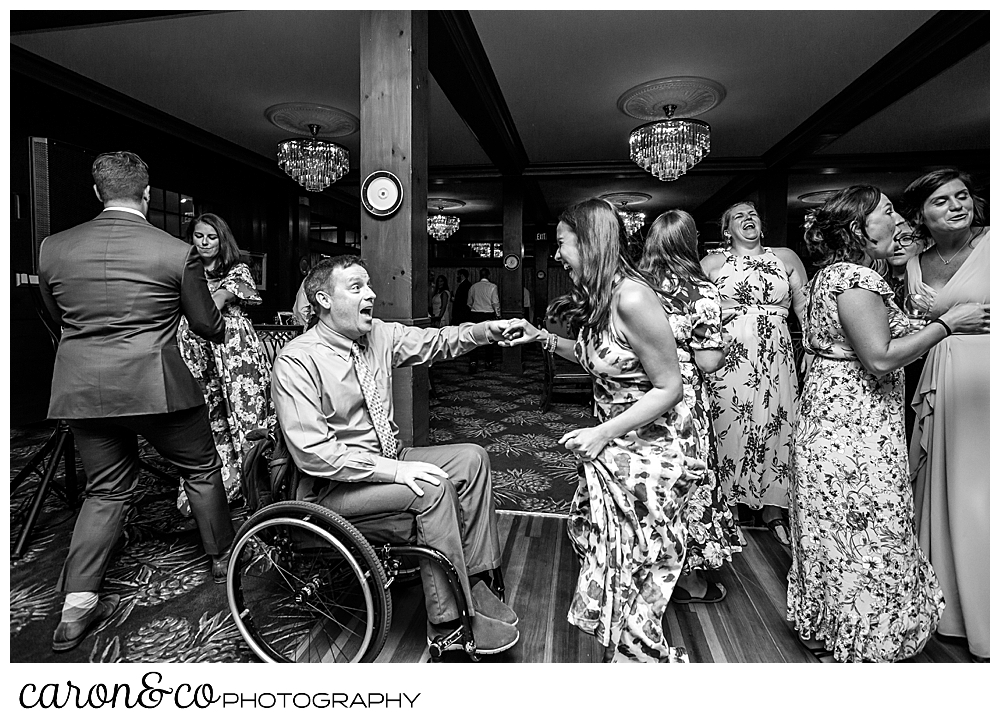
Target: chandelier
<point>632,220</point>
<point>440,225</point>
<point>313,162</point>
<point>673,142</point>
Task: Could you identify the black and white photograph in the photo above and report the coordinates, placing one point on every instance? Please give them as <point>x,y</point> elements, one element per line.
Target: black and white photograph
<point>449,336</point>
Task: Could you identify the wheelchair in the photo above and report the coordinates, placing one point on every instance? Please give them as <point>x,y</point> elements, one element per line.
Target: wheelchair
<point>305,585</point>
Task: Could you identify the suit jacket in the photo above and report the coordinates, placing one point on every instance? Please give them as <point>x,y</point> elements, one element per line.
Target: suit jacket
<point>118,287</point>
<point>460,303</point>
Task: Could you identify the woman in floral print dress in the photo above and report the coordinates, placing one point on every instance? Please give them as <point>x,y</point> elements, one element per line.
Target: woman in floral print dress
<point>639,463</point>
<point>671,257</point>
<point>859,584</point>
<point>753,396</point>
<point>234,376</point>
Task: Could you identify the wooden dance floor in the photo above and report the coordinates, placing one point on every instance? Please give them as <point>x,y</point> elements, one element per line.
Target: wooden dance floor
<point>540,569</point>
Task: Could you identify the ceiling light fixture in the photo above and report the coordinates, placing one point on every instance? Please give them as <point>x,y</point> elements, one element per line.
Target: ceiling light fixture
<point>313,162</point>
<point>440,225</point>
<point>672,143</point>
<point>817,198</point>
<point>632,220</point>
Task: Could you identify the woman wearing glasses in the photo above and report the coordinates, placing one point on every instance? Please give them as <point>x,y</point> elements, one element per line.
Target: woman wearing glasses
<point>859,587</point>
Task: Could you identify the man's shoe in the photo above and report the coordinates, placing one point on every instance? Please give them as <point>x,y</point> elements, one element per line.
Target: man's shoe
<point>220,566</point>
<point>68,635</point>
<point>492,636</point>
<point>488,604</point>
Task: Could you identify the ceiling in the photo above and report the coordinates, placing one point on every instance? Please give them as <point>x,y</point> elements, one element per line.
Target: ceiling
<point>803,92</point>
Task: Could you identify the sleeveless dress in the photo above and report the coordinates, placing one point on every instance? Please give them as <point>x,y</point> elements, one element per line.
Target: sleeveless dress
<point>696,320</point>
<point>753,395</point>
<point>626,519</point>
<point>950,455</point>
<point>859,580</point>
<point>234,376</point>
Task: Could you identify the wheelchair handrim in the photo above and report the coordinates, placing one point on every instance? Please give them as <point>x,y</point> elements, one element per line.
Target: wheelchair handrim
<point>330,538</point>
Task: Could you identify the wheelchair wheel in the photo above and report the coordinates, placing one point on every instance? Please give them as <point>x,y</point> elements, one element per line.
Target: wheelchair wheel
<point>305,587</point>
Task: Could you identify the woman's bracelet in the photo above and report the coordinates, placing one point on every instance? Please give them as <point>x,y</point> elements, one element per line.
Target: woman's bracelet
<point>550,343</point>
<point>947,329</point>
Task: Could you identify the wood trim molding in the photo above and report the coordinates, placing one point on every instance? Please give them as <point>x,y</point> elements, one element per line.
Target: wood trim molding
<point>948,37</point>
<point>458,62</point>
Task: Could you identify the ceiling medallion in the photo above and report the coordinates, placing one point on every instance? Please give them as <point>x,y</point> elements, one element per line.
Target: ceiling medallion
<point>439,225</point>
<point>313,162</point>
<point>673,143</point>
<point>632,220</point>
<point>817,198</point>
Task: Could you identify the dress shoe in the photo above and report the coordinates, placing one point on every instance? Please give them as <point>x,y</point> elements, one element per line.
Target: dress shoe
<point>68,635</point>
<point>220,566</point>
<point>488,604</point>
<point>492,636</point>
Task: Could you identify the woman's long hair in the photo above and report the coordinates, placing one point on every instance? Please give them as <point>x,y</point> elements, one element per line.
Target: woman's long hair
<point>671,252</point>
<point>829,231</point>
<point>919,190</point>
<point>601,239</point>
<point>229,252</point>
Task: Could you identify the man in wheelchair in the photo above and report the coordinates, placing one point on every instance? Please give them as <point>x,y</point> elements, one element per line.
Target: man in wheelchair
<point>332,389</point>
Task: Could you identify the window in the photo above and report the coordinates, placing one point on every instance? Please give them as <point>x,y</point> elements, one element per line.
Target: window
<point>170,211</point>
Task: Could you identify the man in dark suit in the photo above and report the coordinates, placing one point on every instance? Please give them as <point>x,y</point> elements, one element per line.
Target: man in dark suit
<point>460,302</point>
<point>117,286</point>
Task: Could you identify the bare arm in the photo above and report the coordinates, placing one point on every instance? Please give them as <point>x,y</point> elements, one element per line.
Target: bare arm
<point>866,325</point>
<point>710,360</point>
<point>797,280</point>
<point>643,322</point>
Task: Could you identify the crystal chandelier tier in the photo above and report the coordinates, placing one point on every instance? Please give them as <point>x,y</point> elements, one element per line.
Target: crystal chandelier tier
<point>633,221</point>
<point>313,162</point>
<point>440,225</point>
<point>670,147</point>
<point>673,142</point>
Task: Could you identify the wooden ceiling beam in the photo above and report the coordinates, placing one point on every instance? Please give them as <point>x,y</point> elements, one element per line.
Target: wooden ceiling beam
<point>948,37</point>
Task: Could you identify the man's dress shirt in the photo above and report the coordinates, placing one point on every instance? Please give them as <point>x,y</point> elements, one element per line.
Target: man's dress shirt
<point>320,405</point>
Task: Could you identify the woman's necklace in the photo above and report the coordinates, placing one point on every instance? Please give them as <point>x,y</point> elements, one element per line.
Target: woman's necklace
<point>954,255</point>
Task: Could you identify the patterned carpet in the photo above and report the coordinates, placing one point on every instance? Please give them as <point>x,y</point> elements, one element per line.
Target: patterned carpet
<point>162,575</point>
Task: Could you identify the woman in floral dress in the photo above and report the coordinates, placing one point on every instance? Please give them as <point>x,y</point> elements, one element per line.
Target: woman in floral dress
<point>639,463</point>
<point>234,376</point>
<point>859,585</point>
<point>753,395</point>
<point>671,258</point>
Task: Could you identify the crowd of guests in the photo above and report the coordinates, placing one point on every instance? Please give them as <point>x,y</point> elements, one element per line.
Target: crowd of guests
<point>702,421</point>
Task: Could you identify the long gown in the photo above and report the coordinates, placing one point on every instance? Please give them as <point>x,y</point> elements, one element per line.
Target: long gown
<point>858,580</point>
<point>234,376</point>
<point>696,320</point>
<point>753,395</point>
<point>626,519</point>
<point>950,455</point>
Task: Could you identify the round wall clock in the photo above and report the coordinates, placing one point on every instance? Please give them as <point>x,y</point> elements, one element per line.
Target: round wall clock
<point>382,194</point>
<point>540,274</point>
<point>511,261</point>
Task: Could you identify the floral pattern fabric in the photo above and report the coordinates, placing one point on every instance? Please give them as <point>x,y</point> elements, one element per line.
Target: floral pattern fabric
<point>626,519</point>
<point>234,376</point>
<point>696,320</point>
<point>858,580</point>
<point>754,394</point>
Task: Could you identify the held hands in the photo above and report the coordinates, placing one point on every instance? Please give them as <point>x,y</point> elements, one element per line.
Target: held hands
<point>520,331</point>
<point>497,328</point>
<point>409,473</point>
<point>968,318</point>
<point>586,442</point>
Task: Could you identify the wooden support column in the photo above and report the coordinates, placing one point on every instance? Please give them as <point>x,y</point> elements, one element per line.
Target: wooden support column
<point>299,221</point>
<point>774,198</point>
<point>394,112</point>
<point>512,280</point>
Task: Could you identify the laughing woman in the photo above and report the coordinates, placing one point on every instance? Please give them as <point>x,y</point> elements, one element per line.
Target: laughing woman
<point>859,584</point>
<point>754,394</point>
<point>639,463</point>
<point>234,376</point>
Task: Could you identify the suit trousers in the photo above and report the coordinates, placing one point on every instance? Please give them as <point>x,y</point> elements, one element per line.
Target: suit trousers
<point>109,450</point>
<point>482,354</point>
<point>457,517</point>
